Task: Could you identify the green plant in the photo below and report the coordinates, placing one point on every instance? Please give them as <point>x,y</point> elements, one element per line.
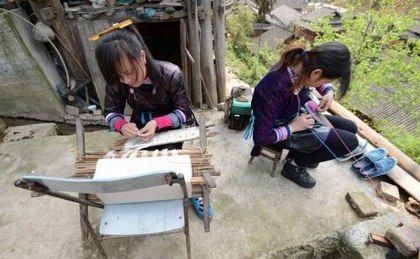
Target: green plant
<point>384,64</point>
<point>239,27</point>
<point>264,7</point>
<point>380,57</point>
<point>250,66</point>
<point>402,138</point>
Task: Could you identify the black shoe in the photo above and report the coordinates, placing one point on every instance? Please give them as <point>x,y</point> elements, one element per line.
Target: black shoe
<point>298,175</point>
<point>313,166</point>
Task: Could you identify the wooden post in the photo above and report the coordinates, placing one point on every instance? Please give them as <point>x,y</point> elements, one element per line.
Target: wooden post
<point>206,197</point>
<point>206,51</point>
<point>80,138</point>
<point>52,13</point>
<point>195,52</point>
<point>219,47</point>
<point>95,237</point>
<point>203,132</point>
<point>85,29</point>
<point>184,58</point>
<point>84,217</point>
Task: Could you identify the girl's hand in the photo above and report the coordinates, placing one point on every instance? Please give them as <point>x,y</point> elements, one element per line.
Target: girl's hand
<point>303,122</point>
<point>148,131</point>
<point>129,130</point>
<point>326,102</point>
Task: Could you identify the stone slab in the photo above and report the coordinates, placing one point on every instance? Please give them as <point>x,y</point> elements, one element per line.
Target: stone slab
<point>361,203</point>
<point>31,131</point>
<point>28,75</point>
<point>405,239</point>
<point>388,191</point>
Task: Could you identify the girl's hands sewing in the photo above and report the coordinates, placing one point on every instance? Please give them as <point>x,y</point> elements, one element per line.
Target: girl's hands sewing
<point>303,122</point>
<point>326,102</point>
<point>148,131</point>
<point>129,130</point>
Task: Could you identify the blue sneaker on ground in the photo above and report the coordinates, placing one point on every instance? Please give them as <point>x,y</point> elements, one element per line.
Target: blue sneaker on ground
<point>198,205</point>
<point>378,168</point>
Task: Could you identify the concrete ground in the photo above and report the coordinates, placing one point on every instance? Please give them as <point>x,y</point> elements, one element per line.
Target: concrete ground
<point>256,216</point>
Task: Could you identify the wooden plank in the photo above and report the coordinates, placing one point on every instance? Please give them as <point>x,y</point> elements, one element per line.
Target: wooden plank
<point>406,174</point>
<point>209,180</point>
<point>85,29</point>
<point>377,140</point>
<point>103,186</point>
<point>405,181</point>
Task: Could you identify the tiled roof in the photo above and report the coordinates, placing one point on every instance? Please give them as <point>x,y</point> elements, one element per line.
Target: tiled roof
<point>295,4</point>
<point>319,13</point>
<point>383,109</point>
<point>285,15</point>
<point>272,37</point>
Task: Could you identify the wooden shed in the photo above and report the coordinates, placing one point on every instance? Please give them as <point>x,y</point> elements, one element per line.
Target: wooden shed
<point>188,33</point>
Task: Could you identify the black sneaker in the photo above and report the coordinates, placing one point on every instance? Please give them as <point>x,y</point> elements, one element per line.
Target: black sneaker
<point>313,166</point>
<point>298,175</point>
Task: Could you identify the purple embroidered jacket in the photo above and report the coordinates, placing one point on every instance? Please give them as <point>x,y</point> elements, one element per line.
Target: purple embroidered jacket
<point>274,104</point>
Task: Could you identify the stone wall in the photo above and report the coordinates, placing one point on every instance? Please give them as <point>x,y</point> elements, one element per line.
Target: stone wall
<point>27,74</point>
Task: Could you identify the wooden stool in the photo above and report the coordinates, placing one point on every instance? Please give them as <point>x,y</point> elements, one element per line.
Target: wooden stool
<point>273,155</point>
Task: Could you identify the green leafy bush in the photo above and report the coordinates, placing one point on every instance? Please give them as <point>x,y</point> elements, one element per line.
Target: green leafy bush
<point>249,66</point>
<point>401,138</point>
<point>384,64</point>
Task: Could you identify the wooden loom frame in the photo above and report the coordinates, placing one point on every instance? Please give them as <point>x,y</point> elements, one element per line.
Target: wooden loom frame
<point>202,182</point>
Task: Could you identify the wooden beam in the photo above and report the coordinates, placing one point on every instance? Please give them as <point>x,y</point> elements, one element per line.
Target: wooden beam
<point>206,51</point>
<point>406,175</point>
<point>52,13</point>
<point>195,52</point>
<point>184,54</point>
<point>377,140</point>
<point>80,138</point>
<point>189,56</point>
<point>405,181</point>
<point>85,29</point>
<point>219,47</point>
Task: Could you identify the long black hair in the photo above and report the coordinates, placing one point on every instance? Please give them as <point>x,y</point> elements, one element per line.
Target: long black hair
<point>333,58</point>
<point>121,43</point>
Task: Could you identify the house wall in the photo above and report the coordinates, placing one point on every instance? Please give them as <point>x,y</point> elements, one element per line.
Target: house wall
<point>27,75</point>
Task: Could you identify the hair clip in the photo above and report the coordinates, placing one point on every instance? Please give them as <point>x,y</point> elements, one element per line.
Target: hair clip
<point>114,27</point>
<point>304,53</point>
